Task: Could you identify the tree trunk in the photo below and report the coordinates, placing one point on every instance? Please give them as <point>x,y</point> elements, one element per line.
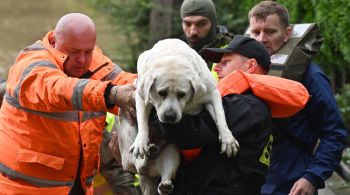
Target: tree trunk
<point>160,20</point>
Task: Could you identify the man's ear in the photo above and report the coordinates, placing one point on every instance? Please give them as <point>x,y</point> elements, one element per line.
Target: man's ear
<point>52,41</point>
<point>252,65</point>
<point>288,33</point>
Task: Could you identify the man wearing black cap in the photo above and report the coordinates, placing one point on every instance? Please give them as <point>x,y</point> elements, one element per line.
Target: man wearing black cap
<point>248,118</point>
<point>242,53</point>
<point>200,26</point>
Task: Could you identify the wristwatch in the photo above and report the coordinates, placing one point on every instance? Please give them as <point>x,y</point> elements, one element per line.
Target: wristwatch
<point>114,91</point>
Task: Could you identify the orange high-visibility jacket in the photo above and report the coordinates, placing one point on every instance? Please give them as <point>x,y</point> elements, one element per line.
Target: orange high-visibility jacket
<point>284,97</point>
<point>47,119</point>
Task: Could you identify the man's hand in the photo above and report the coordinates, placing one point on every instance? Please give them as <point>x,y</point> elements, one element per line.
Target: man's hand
<point>124,98</point>
<point>302,187</point>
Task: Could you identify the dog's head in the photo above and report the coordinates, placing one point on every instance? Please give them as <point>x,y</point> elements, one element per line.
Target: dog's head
<point>170,90</point>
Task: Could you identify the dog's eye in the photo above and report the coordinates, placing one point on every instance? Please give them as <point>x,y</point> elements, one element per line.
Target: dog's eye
<point>163,93</point>
<point>181,95</point>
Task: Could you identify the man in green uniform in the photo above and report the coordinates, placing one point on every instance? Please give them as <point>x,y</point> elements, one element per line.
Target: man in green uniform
<point>199,24</point>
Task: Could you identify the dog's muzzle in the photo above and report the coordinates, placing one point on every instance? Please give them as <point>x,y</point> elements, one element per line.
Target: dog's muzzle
<point>170,117</point>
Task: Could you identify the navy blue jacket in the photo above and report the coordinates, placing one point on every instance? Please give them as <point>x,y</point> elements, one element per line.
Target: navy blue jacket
<point>295,153</point>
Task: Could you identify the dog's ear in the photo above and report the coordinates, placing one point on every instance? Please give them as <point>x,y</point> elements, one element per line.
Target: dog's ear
<point>197,85</point>
<point>146,82</point>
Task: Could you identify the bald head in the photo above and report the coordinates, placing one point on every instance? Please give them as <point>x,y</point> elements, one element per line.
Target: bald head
<point>74,24</point>
<point>75,35</point>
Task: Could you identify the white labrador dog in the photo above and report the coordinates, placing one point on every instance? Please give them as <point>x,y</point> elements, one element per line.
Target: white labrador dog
<point>174,79</point>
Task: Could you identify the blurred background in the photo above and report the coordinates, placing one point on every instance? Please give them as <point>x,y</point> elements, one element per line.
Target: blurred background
<point>127,27</point>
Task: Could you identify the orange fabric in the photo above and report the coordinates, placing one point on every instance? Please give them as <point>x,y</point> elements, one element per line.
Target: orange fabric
<point>190,154</point>
<point>284,97</point>
<point>42,147</point>
<point>10,187</point>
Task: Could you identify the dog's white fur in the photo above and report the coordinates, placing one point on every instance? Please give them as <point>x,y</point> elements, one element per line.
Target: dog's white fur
<point>173,78</point>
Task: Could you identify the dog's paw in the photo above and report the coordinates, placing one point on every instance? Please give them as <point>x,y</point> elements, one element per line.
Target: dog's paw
<point>229,144</point>
<point>139,148</point>
<point>153,151</point>
<point>165,187</point>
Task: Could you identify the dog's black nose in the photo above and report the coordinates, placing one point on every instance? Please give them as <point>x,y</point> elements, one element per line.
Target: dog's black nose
<point>170,117</point>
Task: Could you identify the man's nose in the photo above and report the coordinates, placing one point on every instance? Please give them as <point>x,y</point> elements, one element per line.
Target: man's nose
<point>261,38</point>
<point>81,58</point>
<point>193,30</point>
<point>217,68</point>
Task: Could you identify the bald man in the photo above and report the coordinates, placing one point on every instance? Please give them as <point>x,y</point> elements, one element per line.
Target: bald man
<point>54,110</point>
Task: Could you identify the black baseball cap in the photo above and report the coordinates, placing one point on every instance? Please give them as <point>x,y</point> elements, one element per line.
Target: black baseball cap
<point>243,45</point>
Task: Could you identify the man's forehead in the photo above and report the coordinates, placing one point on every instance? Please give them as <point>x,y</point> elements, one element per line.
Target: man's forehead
<point>270,19</point>
<point>229,55</point>
<point>195,19</point>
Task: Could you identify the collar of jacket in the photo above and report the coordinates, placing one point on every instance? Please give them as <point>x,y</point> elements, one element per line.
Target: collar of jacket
<point>233,83</point>
<point>60,57</point>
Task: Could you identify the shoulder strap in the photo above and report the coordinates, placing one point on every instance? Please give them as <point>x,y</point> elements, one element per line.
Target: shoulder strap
<point>294,57</point>
<point>284,97</point>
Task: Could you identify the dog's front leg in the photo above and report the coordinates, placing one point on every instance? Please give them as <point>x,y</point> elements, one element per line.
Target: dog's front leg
<point>140,146</point>
<point>228,143</point>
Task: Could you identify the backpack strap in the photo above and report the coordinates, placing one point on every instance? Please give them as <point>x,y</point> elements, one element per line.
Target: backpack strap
<point>295,56</point>
<point>284,97</point>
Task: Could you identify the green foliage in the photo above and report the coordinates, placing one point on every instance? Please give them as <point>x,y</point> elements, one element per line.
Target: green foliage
<point>234,14</point>
<point>335,26</point>
<point>132,19</point>
<point>299,10</point>
<point>343,101</point>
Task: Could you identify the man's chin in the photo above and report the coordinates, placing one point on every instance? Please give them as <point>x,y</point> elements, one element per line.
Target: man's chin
<point>270,51</point>
<point>76,74</point>
<point>193,41</point>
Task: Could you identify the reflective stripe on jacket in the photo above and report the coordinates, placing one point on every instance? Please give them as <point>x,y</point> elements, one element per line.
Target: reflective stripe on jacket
<point>48,119</point>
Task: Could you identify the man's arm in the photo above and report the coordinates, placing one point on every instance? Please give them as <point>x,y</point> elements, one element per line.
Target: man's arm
<point>326,120</point>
